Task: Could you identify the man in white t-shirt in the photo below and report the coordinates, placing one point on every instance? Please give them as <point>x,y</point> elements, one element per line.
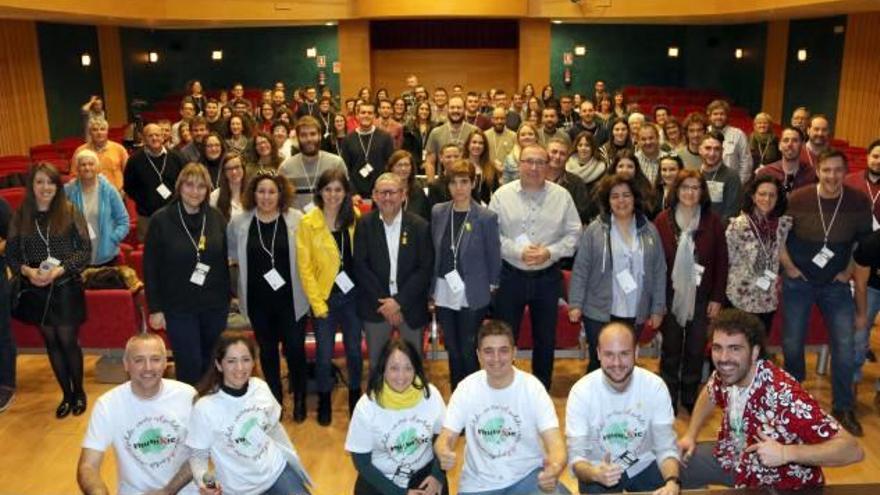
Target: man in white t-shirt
<point>514,446</point>
<point>618,422</point>
<point>145,420</point>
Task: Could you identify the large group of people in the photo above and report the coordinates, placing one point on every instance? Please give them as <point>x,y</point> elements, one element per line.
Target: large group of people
<point>469,207</point>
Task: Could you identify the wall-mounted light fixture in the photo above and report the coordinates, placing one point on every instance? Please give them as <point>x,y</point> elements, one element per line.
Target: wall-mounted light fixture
<point>556,21</point>
<point>580,50</point>
<point>153,57</point>
<point>217,55</point>
<point>330,23</point>
<point>85,60</point>
<point>738,53</point>
<point>672,52</point>
<point>311,52</point>
<point>802,55</point>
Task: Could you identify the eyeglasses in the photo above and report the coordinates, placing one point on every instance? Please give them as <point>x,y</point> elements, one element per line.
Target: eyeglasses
<point>690,188</point>
<point>387,193</point>
<point>534,162</point>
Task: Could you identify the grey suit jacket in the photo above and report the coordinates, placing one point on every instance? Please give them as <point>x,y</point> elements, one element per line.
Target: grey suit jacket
<point>479,259</point>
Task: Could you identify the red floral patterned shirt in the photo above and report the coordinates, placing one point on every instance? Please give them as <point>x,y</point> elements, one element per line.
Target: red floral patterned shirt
<point>784,411</point>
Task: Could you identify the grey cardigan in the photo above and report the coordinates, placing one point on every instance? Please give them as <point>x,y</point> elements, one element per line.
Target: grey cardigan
<point>591,276</point>
<point>479,262</point>
<point>237,236</point>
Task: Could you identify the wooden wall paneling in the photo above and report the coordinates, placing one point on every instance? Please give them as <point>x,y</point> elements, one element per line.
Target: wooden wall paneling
<point>858,118</point>
<point>475,69</point>
<point>534,49</point>
<point>23,118</point>
<point>354,57</point>
<point>112,75</point>
<point>774,70</point>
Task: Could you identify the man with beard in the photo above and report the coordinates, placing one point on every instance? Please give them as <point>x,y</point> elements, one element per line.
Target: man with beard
<point>567,115</point>
<point>512,117</point>
<point>472,113</point>
<point>773,432</point>
<point>454,131</point>
<point>212,116</point>
<point>590,123</point>
<point>619,423</point>
<point>725,190</point>
<point>409,94</point>
<point>440,106</point>
<point>388,124</point>
<point>736,154</point>
<point>500,138</point>
<point>790,170</point>
<point>648,151</point>
<point>549,129</point>
<point>818,137</point>
<point>365,152</point>
<point>304,168</point>
<point>869,181</point>
<point>800,118</point>
<point>557,149</point>
<point>198,128</point>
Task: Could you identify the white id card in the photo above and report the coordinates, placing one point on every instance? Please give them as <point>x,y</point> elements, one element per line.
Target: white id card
<point>343,281</point>
<point>365,170</point>
<point>163,191</point>
<point>765,281</point>
<point>424,155</point>
<point>716,191</point>
<point>523,241</point>
<point>49,263</point>
<point>456,284</point>
<point>309,207</point>
<point>698,273</point>
<point>875,223</point>
<point>823,257</point>
<point>274,279</point>
<point>327,135</point>
<point>92,234</point>
<point>626,281</point>
<point>199,274</point>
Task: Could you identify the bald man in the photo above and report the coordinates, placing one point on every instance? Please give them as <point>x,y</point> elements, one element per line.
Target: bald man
<point>500,138</point>
<point>150,175</point>
<point>619,423</point>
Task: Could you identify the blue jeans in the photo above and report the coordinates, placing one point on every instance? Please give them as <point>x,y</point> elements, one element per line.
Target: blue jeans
<point>460,339</point>
<point>7,343</point>
<point>343,312</point>
<point>648,480</point>
<point>836,304</point>
<point>289,483</point>
<point>192,337</point>
<point>862,337</point>
<point>539,290</point>
<point>525,486</point>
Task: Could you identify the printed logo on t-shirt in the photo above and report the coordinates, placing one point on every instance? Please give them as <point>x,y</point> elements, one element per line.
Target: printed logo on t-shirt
<point>154,440</point>
<point>408,441</point>
<point>498,431</point>
<point>246,435</point>
<point>622,435</point>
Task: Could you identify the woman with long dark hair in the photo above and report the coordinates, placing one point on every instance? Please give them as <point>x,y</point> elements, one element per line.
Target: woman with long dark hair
<point>488,178</point>
<point>265,157</point>
<point>263,242</point>
<point>415,133</point>
<point>391,433</point>
<point>401,164</point>
<point>236,425</point>
<point>586,162</point>
<point>626,164</point>
<point>48,246</point>
<point>324,256</point>
<point>619,139</point>
<point>212,151</point>
<point>227,196</point>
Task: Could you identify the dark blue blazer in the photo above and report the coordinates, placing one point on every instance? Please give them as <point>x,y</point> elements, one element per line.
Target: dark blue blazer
<point>479,259</point>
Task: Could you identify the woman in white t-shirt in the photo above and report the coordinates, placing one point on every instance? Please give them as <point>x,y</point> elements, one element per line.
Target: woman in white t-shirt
<point>391,433</point>
<point>235,423</point>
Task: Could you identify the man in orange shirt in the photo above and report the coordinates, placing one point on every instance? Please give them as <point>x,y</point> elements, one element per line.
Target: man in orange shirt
<point>111,155</point>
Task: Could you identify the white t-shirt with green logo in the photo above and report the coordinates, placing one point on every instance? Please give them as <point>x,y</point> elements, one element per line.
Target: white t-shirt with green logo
<point>148,435</point>
<point>633,427</point>
<point>400,441</point>
<point>502,428</point>
<point>236,430</point>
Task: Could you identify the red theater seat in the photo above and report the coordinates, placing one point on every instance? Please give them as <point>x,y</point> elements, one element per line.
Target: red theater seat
<point>13,195</point>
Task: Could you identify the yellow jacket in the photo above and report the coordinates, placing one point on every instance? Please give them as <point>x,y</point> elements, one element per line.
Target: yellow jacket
<point>317,258</point>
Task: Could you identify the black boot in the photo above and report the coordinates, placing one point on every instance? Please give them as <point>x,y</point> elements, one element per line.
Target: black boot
<point>299,407</point>
<point>325,409</point>
<point>354,395</point>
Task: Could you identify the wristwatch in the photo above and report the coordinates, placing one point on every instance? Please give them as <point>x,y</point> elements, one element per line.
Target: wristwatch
<point>674,479</point>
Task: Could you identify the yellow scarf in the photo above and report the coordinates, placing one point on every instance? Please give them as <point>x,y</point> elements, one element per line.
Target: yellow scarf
<point>391,399</point>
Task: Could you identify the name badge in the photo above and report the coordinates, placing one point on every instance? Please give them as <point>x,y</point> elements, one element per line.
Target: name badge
<point>49,263</point>
<point>199,274</point>
<point>765,281</point>
<point>823,257</point>
<point>343,281</point>
<point>626,281</point>
<point>163,191</point>
<point>698,273</point>
<point>309,207</point>
<point>92,234</point>
<point>456,284</point>
<point>327,135</point>
<point>523,241</point>
<point>875,223</point>
<point>716,191</point>
<point>274,278</point>
<point>365,170</point>
<point>424,155</point>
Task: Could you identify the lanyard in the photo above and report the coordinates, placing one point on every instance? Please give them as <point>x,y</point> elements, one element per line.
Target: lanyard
<point>325,121</point>
<point>827,229</point>
<point>342,235</point>
<point>270,252</point>
<point>200,246</point>
<point>453,242</point>
<point>871,194</point>
<point>457,138</point>
<point>161,171</point>
<point>309,181</point>
<point>45,238</point>
<point>754,227</point>
<point>369,145</point>
<point>763,151</point>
